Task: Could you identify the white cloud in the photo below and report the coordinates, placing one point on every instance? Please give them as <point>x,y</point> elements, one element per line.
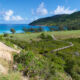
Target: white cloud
<point>9,16</point>
<point>6,18</point>
<point>41,10</point>
<point>9,13</point>
<point>63,10</point>
<point>17,18</point>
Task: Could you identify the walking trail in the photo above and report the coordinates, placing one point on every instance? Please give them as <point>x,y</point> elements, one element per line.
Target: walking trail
<point>65,47</point>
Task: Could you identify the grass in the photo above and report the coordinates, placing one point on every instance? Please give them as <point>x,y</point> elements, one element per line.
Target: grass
<point>26,36</point>
<point>58,60</point>
<point>4,62</point>
<point>57,34</point>
<point>11,76</point>
<point>67,34</point>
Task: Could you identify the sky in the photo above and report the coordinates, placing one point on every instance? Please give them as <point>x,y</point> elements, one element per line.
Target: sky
<point>26,11</point>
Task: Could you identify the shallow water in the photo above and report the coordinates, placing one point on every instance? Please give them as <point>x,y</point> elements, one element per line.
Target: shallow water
<point>5,28</point>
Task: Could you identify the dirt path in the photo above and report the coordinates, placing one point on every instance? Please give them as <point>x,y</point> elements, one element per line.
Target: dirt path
<point>65,47</point>
<point>5,52</point>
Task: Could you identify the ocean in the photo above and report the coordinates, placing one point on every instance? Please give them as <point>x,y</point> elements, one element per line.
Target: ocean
<point>5,28</point>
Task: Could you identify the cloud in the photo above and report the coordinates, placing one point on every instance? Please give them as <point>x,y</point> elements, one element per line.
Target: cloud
<point>9,16</point>
<point>9,13</point>
<point>63,10</point>
<point>17,18</point>
<point>41,10</point>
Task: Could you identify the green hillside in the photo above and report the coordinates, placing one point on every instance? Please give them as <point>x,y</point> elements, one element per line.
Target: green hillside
<point>71,21</point>
<point>38,61</point>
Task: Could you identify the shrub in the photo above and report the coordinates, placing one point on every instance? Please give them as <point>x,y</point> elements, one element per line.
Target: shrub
<point>11,76</point>
<point>31,64</point>
<point>42,36</point>
<point>75,72</point>
<point>6,35</point>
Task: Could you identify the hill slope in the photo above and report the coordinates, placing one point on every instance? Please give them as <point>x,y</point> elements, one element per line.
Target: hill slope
<point>71,21</point>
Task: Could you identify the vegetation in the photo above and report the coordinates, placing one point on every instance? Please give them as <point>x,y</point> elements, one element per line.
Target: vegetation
<point>6,34</point>
<point>58,34</point>
<point>66,61</point>
<point>71,21</point>
<point>40,29</point>
<point>11,76</point>
<point>37,62</point>
<point>13,30</point>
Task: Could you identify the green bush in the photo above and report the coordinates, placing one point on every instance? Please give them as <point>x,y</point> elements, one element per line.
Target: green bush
<point>31,63</point>
<point>6,35</point>
<point>75,72</point>
<point>42,36</point>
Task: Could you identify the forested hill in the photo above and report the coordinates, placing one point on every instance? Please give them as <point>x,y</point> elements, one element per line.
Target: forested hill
<point>71,21</point>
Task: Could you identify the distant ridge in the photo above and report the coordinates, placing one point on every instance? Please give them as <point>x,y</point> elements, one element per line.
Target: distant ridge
<point>71,21</point>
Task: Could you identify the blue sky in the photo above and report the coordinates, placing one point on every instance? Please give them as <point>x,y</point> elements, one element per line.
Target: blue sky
<point>25,11</point>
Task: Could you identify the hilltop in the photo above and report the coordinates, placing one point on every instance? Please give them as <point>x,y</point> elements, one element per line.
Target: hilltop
<point>71,21</point>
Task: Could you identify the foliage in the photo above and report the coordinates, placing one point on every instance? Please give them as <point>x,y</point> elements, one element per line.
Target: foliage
<point>11,76</point>
<point>12,30</point>
<point>6,35</point>
<point>32,64</point>
<point>70,21</point>
<point>36,59</point>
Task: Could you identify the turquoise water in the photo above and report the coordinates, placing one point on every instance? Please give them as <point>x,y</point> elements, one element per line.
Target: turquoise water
<point>5,28</point>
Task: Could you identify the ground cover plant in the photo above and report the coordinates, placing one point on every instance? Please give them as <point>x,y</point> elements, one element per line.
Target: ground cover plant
<point>38,63</point>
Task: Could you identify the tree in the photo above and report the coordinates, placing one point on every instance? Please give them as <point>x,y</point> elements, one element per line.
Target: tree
<point>13,30</point>
<point>36,29</point>
<point>25,29</point>
<point>40,29</point>
<point>31,29</point>
<point>51,29</point>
